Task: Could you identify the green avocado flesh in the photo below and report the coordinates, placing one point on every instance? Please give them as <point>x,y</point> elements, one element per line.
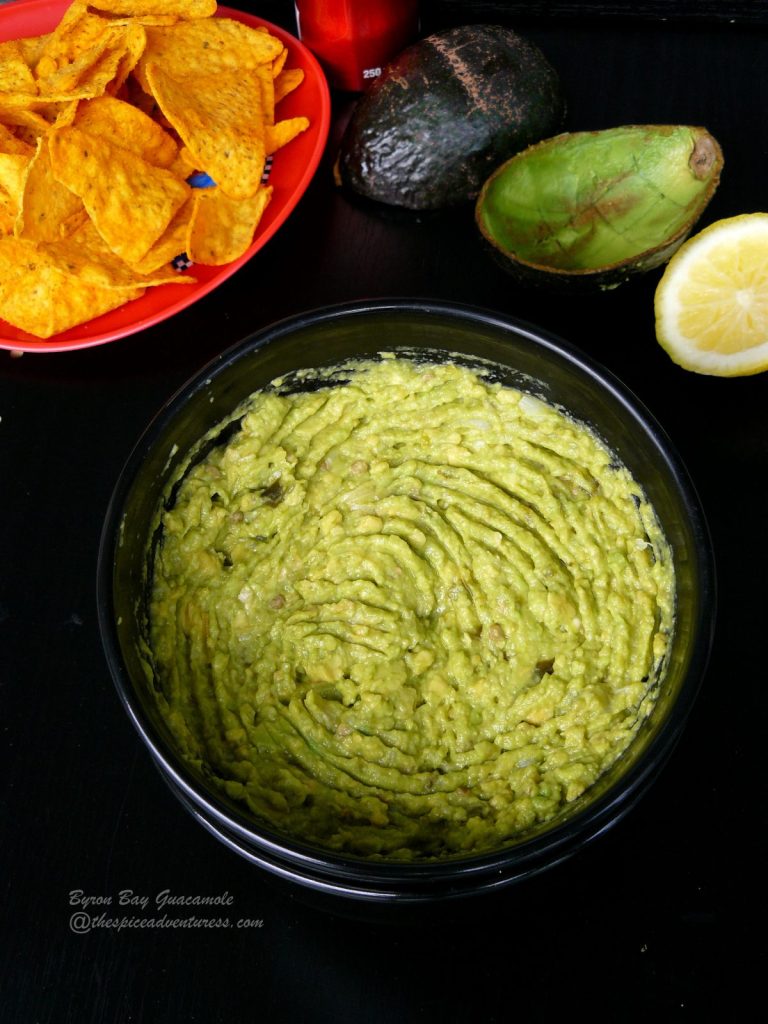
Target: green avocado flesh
<point>411,615</point>
<point>590,200</point>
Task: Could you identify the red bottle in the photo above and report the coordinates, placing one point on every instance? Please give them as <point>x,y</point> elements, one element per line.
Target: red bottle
<point>353,39</point>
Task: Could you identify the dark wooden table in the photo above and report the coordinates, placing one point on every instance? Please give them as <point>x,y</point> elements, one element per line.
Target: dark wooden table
<point>653,920</point>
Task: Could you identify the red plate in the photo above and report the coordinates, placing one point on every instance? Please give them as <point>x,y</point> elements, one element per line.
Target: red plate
<point>291,173</point>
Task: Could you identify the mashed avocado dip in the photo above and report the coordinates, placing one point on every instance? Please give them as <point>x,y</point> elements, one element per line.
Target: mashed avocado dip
<point>407,616</point>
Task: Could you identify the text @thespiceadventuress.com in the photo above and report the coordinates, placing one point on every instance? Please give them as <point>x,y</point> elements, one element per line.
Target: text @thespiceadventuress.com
<point>127,910</point>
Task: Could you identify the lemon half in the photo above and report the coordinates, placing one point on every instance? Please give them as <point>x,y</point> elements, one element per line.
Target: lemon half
<point>712,300</point>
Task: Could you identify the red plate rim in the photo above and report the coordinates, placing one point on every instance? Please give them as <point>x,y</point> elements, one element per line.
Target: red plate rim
<point>35,17</point>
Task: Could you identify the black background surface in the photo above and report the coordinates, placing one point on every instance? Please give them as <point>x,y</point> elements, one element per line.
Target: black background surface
<point>663,916</point>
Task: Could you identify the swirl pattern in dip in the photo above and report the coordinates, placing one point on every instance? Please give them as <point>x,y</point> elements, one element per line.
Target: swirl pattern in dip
<point>412,615</point>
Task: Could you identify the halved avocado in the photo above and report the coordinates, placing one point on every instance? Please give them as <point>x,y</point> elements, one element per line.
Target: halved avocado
<point>593,208</point>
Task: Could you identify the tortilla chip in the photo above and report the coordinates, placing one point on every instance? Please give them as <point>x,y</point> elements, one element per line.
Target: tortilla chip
<point>147,20</point>
<point>66,114</point>
<point>94,68</point>
<point>11,143</point>
<point>218,117</point>
<point>184,165</point>
<point>7,215</point>
<point>130,201</point>
<point>13,171</point>
<point>15,74</point>
<point>279,62</point>
<point>85,255</point>
<point>287,81</point>
<point>204,47</point>
<point>172,243</point>
<point>127,127</point>
<point>44,301</point>
<point>32,46</point>
<point>23,117</point>
<point>223,228</point>
<point>77,33</point>
<point>21,108</point>
<point>141,8</point>
<point>13,174</point>
<point>48,210</point>
<point>25,134</point>
<point>278,135</point>
<point>135,41</point>
<point>267,84</point>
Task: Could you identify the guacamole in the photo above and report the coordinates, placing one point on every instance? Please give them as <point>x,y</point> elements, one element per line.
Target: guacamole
<point>410,615</point>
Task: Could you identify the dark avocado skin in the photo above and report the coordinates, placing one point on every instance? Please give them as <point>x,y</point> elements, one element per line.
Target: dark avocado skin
<point>586,282</point>
<point>445,113</point>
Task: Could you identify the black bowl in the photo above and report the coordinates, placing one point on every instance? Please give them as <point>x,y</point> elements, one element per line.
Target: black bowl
<point>528,359</point>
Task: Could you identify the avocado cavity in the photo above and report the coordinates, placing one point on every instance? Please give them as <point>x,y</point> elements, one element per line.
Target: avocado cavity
<point>604,203</point>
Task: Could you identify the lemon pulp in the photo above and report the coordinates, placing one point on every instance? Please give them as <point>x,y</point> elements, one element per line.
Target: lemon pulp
<point>712,301</point>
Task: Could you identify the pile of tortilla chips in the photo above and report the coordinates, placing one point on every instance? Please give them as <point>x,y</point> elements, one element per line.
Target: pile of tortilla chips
<point>103,122</point>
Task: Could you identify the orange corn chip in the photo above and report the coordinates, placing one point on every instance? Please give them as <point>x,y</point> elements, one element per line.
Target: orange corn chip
<point>267,84</point>
<point>184,164</point>
<point>13,171</point>
<point>279,62</point>
<point>147,20</point>
<point>280,134</point>
<point>7,215</point>
<point>11,143</point>
<point>44,301</point>
<point>133,47</point>
<point>93,69</point>
<point>128,127</point>
<point>129,201</point>
<point>15,75</point>
<point>48,210</point>
<point>23,117</point>
<point>76,33</point>
<point>66,114</point>
<point>219,120</point>
<point>86,256</point>
<point>171,243</point>
<point>203,47</point>
<point>139,8</point>
<point>31,48</point>
<point>222,228</point>
<point>287,81</point>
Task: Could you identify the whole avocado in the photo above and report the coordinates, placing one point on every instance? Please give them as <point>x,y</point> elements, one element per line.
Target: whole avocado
<point>444,113</point>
